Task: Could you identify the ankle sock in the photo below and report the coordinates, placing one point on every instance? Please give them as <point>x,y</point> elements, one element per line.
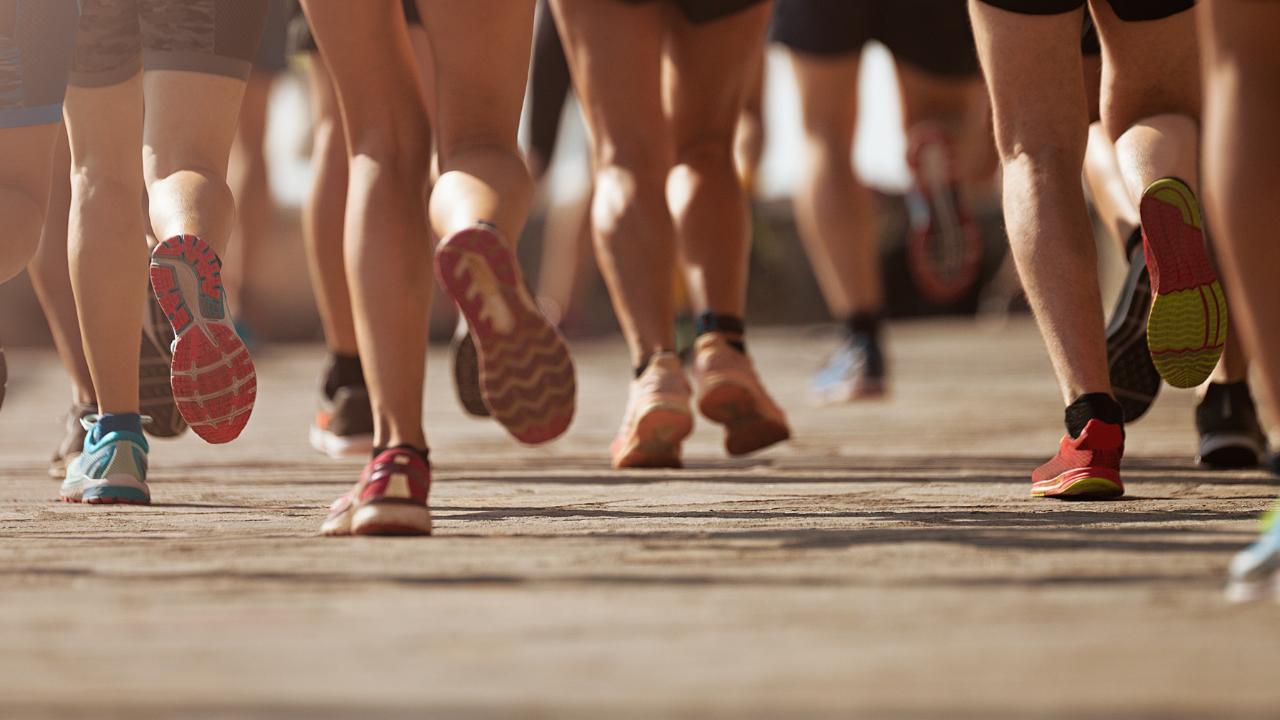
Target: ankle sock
<point>1093,406</point>
<point>710,322</point>
<point>422,453</point>
<point>119,422</point>
<point>344,371</point>
<point>865,323</point>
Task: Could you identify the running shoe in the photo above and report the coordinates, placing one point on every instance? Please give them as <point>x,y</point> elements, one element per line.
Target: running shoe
<point>155,391</point>
<point>214,383</point>
<point>855,371</point>
<point>1134,378</point>
<point>1188,323</point>
<point>343,425</point>
<point>73,444</point>
<point>466,371</point>
<point>730,393</point>
<point>657,418</point>
<point>111,469</point>
<point>944,250</point>
<point>4,375</point>
<point>389,499</point>
<point>1230,436</point>
<point>526,373</point>
<point>1086,467</point>
<point>1255,571</point>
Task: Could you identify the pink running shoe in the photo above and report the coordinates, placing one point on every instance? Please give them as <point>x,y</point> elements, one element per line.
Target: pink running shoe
<point>1087,467</point>
<point>730,393</point>
<point>214,383</point>
<point>389,499</point>
<point>526,373</point>
<point>657,419</point>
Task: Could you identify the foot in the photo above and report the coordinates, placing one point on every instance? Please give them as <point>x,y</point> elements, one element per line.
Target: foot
<point>73,443</point>
<point>389,499</point>
<point>526,373</point>
<point>343,425</point>
<point>155,360</point>
<point>1227,420</point>
<point>657,419</point>
<point>1086,467</point>
<point>1255,571</point>
<point>1188,323</point>
<point>1134,378</point>
<point>944,250</point>
<point>855,371</point>
<point>214,383</point>
<point>730,393</point>
<point>466,371</point>
<point>112,468</point>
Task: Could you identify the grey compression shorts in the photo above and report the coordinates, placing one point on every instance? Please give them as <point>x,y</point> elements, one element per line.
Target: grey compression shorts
<point>36,39</point>
<point>118,37</point>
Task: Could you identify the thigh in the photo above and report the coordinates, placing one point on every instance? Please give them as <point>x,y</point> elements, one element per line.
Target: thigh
<point>481,50</point>
<point>1149,67</point>
<point>828,88</point>
<point>707,73</point>
<point>190,121</point>
<point>28,160</point>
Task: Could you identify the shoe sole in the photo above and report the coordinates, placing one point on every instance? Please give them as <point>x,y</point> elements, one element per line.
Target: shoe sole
<point>526,372</point>
<point>733,405</point>
<point>1229,450</point>
<point>391,518</point>
<point>466,374</point>
<point>950,222</point>
<point>337,446</point>
<point>1134,379</point>
<point>213,379</point>
<point>1081,484</point>
<point>655,440</point>
<point>132,493</point>
<point>1188,323</point>
<point>155,388</point>
<point>1241,591</point>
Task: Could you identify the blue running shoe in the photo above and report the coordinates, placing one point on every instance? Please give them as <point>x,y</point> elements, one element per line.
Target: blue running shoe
<point>113,466</point>
<point>855,371</point>
<point>1255,571</point>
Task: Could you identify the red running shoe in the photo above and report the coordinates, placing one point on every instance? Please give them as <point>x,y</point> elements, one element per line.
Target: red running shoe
<point>1087,467</point>
<point>526,374</point>
<point>214,383</point>
<point>389,499</point>
<point>944,248</point>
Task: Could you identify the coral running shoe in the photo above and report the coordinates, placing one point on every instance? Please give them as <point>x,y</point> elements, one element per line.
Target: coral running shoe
<point>389,499</point>
<point>214,383</point>
<point>1255,571</point>
<point>526,373</point>
<point>1188,323</point>
<point>112,468</point>
<point>1086,467</point>
<point>657,419</point>
<point>944,249</point>
<point>730,393</point>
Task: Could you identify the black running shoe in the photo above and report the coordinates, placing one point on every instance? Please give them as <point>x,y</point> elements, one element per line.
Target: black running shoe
<point>73,443</point>
<point>155,388</point>
<point>1134,379</point>
<point>1230,436</point>
<point>4,375</point>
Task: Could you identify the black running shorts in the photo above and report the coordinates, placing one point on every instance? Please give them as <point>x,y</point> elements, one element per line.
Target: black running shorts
<point>36,41</point>
<point>1127,10</point>
<point>117,37</point>
<point>704,11</point>
<point>942,44</point>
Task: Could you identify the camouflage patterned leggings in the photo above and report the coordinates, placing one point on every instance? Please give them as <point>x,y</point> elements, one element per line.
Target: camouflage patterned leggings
<point>36,38</point>
<point>117,37</point>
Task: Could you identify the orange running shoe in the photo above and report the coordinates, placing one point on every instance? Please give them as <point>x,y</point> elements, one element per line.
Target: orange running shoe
<point>1086,467</point>
<point>730,393</point>
<point>526,373</point>
<point>657,419</point>
<point>1188,323</point>
<point>214,383</point>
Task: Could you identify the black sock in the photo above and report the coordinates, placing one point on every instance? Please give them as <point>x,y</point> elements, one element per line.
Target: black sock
<point>422,453</point>
<point>1093,406</point>
<point>119,422</point>
<point>1134,242</point>
<point>864,323</point>
<point>344,371</point>
<point>711,322</point>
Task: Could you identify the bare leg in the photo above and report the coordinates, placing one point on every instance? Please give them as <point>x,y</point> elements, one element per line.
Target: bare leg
<point>247,178</point>
<point>24,192</point>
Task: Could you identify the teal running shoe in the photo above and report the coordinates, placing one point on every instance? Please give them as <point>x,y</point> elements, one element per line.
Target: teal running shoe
<point>1255,571</point>
<point>113,466</point>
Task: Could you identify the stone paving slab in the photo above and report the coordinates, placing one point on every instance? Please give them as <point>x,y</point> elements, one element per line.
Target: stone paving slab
<point>887,562</point>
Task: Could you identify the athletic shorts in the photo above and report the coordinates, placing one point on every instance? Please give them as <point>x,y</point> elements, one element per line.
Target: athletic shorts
<point>704,11</point>
<point>36,41</point>
<point>943,44</point>
<point>299,35</point>
<point>271,57</point>
<point>118,38</point>
<point>1127,10</point>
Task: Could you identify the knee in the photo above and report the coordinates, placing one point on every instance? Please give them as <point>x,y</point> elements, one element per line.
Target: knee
<point>707,152</point>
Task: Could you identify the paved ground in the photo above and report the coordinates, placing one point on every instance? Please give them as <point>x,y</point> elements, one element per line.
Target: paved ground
<point>887,562</point>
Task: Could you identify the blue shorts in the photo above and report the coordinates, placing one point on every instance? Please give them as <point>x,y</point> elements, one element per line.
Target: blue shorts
<point>37,39</point>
